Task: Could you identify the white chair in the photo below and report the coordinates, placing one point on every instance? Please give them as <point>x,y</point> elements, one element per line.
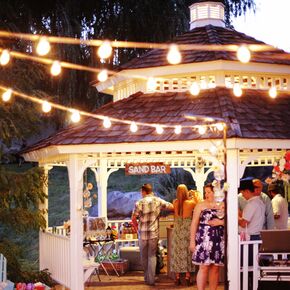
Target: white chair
<point>4,283</point>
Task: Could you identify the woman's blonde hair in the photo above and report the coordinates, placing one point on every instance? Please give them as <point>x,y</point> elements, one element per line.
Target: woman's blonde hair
<point>181,195</point>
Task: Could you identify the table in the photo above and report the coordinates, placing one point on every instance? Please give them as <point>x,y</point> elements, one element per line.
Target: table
<point>102,250</point>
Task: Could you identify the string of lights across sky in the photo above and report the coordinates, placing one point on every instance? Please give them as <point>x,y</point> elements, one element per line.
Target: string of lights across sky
<point>104,51</point>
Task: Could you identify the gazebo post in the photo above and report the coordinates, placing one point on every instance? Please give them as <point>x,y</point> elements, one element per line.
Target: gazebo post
<point>233,262</point>
<point>75,172</point>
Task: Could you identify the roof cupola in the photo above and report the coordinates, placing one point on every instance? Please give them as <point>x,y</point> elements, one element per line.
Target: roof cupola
<point>205,12</point>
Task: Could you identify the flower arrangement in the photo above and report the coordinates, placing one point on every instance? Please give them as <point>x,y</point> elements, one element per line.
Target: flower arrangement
<point>281,168</point>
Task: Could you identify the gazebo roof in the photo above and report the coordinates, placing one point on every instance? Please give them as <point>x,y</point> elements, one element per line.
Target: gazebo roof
<point>254,115</point>
<point>211,35</point>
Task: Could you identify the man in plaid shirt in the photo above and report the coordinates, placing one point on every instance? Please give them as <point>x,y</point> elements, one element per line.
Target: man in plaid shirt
<point>147,211</point>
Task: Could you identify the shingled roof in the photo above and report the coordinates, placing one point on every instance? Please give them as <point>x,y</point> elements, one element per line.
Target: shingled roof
<point>214,35</point>
<point>254,115</point>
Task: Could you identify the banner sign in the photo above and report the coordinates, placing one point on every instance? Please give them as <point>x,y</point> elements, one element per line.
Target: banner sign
<point>147,168</point>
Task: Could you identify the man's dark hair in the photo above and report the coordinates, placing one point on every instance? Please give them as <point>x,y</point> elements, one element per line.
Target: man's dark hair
<point>147,187</point>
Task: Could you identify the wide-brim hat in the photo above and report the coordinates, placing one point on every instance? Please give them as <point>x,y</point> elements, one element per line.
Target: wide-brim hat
<point>246,184</point>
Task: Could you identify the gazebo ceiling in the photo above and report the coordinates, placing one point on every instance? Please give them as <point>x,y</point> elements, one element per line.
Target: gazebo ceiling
<point>211,35</point>
<point>253,116</point>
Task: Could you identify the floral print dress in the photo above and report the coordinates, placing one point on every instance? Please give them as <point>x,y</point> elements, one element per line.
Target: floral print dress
<point>209,241</point>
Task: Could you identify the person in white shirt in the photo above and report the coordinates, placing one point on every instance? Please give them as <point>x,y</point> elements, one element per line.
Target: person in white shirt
<point>280,207</point>
<point>269,222</point>
<point>253,215</point>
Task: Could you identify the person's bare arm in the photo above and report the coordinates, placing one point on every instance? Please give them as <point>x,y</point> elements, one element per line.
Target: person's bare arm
<point>242,222</point>
<point>194,225</point>
<point>216,222</point>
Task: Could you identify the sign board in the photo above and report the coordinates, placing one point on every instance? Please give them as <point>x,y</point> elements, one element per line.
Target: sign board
<point>147,168</point>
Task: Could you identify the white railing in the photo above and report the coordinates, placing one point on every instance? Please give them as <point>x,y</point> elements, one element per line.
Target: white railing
<point>54,255</point>
<point>245,268</point>
<point>3,268</point>
<point>59,230</point>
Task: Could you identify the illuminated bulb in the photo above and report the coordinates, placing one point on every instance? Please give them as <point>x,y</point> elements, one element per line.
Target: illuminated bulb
<point>151,84</point>
<point>243,54</point>
<point>105,50</point>
<point>177,129</point>
<point>43,46</point>
<point>6,96</point>
<point>55,69</point>
<point>46,107</point>
<point>107,122</point>
<point>194,89</point>
<point>201,130</point>
<point>237,90</point>
<point>133,127</point>
<point>220,126</point>
<point>5,57</point>
<point>75,116</point>
<point>174,56</point>
<point>103,75</point>
<point>159,129</point>
<point>273,92</point>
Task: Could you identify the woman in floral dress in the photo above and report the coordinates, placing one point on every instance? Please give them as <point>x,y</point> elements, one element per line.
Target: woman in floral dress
<point>181,255</point>
<point>207,240</point>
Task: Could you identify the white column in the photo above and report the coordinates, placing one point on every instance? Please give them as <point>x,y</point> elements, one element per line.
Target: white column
<point>232,218</point>
<point>44,205</point>
<point>75,172</point>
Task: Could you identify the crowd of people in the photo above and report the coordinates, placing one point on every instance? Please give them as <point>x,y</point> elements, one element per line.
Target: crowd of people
<point>198,232</point>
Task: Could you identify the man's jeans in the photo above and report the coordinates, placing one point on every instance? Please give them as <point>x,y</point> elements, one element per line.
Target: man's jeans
<point>148,250</point>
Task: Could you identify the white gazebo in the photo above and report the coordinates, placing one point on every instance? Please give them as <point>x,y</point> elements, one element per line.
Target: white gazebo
<point>258,129</point>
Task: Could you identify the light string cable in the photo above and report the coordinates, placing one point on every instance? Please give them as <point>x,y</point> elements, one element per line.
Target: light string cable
<point>208,122</point>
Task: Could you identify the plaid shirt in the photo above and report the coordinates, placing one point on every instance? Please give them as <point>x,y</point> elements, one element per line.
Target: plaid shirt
<point>148,210</point>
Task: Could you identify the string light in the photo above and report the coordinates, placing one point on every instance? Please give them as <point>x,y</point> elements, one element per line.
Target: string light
<point>107,123</point>
<point>151,84</point>
<point>43,46</point>
<point>203,85</point>
<point>46,107</point>
<point>103,75</point>
<point>159,129</point>
<point>273,92</point>
<point>5,57</point>
<point>219,126</point>
<point>194,89</point>
<point>6,96</point>
<point>105,50</point>
<point>174,55</point>
<point>237,90</point>
<point>213,150</point>
<point>75,116</point>
<point>133,127</point>
<point>201,130</point>
<point>243,54</point>
<point>55,69</point>
<point>177,129</point>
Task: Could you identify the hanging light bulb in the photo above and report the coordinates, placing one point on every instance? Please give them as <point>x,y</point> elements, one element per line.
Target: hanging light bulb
<point>237,90</point>
<point>75,116</point>
<point>103,75</point>
<point>203,85</point>
<point>177,129</point>
<point>194,89</point>
<point>213,150</point>
<point>55,69</point>
<point>159,129</point>
<point>6,96</point>
<point>201,130</point>
<point>243,54</point>
<point>174,55</point>
<point>5,57</point>
<point>105,50</point>
<point>273,92</point>
<point>220,126</point>
<point>43,46</point>
<point>151,84</point>
<point>133,127</point>
<point>107,123</point>
<point>46,107</point>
